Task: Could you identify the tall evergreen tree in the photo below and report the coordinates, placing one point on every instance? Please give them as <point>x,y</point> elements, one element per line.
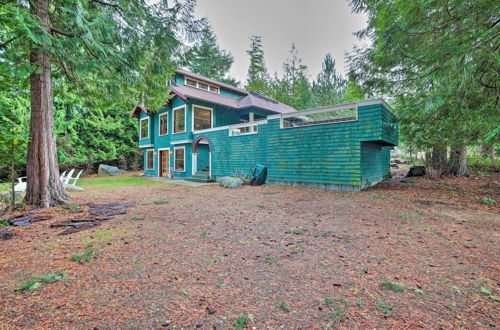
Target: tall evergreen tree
<point>294,88</point>
<point>257,78</point>
<point>208,59</point>
<point>113,50</point>
<point>440,61</point>
<point>353,91</point>
<point>329,86</point>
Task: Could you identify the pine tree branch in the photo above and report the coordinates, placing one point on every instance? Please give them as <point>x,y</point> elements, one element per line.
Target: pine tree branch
<point>5,44</point>
<point>66,34</point>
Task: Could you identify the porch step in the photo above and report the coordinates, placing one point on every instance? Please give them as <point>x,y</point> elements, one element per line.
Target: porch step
<point>201,179</point>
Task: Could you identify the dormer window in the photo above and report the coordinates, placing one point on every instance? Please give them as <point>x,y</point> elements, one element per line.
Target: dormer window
<point>202,85</point>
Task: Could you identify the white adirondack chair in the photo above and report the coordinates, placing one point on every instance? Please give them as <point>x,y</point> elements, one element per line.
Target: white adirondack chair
<point>68,177</point>
<point>21,184</point>
<point>73,186</point>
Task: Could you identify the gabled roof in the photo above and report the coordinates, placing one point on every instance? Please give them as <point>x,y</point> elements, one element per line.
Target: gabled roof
<point>247,101</point>
<point>137,109</point>
<point>252,100</point>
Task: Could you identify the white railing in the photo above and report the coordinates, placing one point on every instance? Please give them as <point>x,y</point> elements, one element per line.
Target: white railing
<point>244,129</point>
<point>320,116</point>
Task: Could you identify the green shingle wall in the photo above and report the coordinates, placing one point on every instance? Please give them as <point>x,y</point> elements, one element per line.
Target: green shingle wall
<point>202,156</point>
<point>349,156</point>
<point>231,154</point>
<point>331,154</point>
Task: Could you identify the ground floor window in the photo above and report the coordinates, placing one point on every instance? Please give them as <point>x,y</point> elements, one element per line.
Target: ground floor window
<point>180,159</point>
<point>150,160</point>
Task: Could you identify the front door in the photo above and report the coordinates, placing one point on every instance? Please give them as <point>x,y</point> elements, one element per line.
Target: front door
<point>164,162</point>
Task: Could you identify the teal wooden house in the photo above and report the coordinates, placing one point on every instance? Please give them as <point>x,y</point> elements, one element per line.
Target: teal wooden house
<point>210,129</point>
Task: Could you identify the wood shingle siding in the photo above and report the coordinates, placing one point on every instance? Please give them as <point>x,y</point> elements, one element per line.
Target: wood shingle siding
<point>346,155</point>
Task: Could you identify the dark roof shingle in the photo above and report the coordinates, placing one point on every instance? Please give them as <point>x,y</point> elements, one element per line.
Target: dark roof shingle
<point>247,101</point>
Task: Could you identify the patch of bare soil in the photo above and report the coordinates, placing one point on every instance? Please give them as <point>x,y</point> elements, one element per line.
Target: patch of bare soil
<point>400,255</point>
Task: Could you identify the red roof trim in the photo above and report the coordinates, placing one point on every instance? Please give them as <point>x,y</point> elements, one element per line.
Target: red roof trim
<point>136,109</point>
<point>179,94</point>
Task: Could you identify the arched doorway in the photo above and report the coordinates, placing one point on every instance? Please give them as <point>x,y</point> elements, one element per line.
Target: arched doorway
<point>202,156</point>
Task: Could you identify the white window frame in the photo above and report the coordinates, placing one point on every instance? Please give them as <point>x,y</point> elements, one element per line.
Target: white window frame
<point>147,160</point>
<point>175,169</point>
<point>204,108</point>
<point>159,123</point>
<point>159,160</point>
<point>234,130</point>
<point>173,119</point>
<point>198,82</point>
<point>140,128</point>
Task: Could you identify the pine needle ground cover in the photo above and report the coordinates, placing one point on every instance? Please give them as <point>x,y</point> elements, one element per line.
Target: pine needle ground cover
<point>267,256</point>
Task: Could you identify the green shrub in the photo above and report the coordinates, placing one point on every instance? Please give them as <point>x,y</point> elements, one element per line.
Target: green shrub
<point>86,256</point>
<point>488,201</point>
<point>241,322</point>
<point>284,307</point>
<point>390,285</point>
<point>388,309</point>
<point>34,283</point>
<point>480,163</point>
<point>4,223</point>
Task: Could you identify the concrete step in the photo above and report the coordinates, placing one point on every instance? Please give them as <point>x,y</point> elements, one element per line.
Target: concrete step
<point>202,174</point>
<point>199,179</point>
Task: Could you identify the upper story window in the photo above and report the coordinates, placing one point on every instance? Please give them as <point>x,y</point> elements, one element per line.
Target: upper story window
<point>164,123</point>
<point>144,127</point>
<point>202,118</point>
<point>202,85</point>
<point>179,120</point>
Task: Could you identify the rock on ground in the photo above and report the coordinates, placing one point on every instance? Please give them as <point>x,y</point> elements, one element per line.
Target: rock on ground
<point>107,170</point>
<point>418,170</point>
<point>230,182</point>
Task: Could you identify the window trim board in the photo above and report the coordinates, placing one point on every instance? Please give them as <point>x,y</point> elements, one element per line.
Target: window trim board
<point>140,128</point>
<point>173,119</point>
<point>147,160</point>
<point>204,108</point>
<point>175,158</point>
<point>159,123</point>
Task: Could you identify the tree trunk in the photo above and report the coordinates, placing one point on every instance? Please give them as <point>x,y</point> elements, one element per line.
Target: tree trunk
<point>457,165</point>
<point>436,162</point>
<point>44,188</point>
<point>12,177</point>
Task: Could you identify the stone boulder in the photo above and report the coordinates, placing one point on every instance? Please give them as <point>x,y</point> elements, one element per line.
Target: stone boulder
<point>230,182</point>
<point>106,170</point>
<point>418,170</point>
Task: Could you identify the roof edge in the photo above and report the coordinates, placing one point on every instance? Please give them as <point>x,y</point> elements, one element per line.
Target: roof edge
<point>137,108</point>
<point>338,107</point>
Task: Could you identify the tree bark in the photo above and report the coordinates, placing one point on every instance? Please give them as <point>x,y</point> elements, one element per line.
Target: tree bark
<point>44,188</point>
<point>436,162</point>
<point>457,164</point>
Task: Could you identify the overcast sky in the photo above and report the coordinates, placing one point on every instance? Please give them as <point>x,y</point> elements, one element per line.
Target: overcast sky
<point>316,26</point>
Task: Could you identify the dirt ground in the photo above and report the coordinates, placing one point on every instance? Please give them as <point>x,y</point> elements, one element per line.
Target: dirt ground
<point>409,254</point>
